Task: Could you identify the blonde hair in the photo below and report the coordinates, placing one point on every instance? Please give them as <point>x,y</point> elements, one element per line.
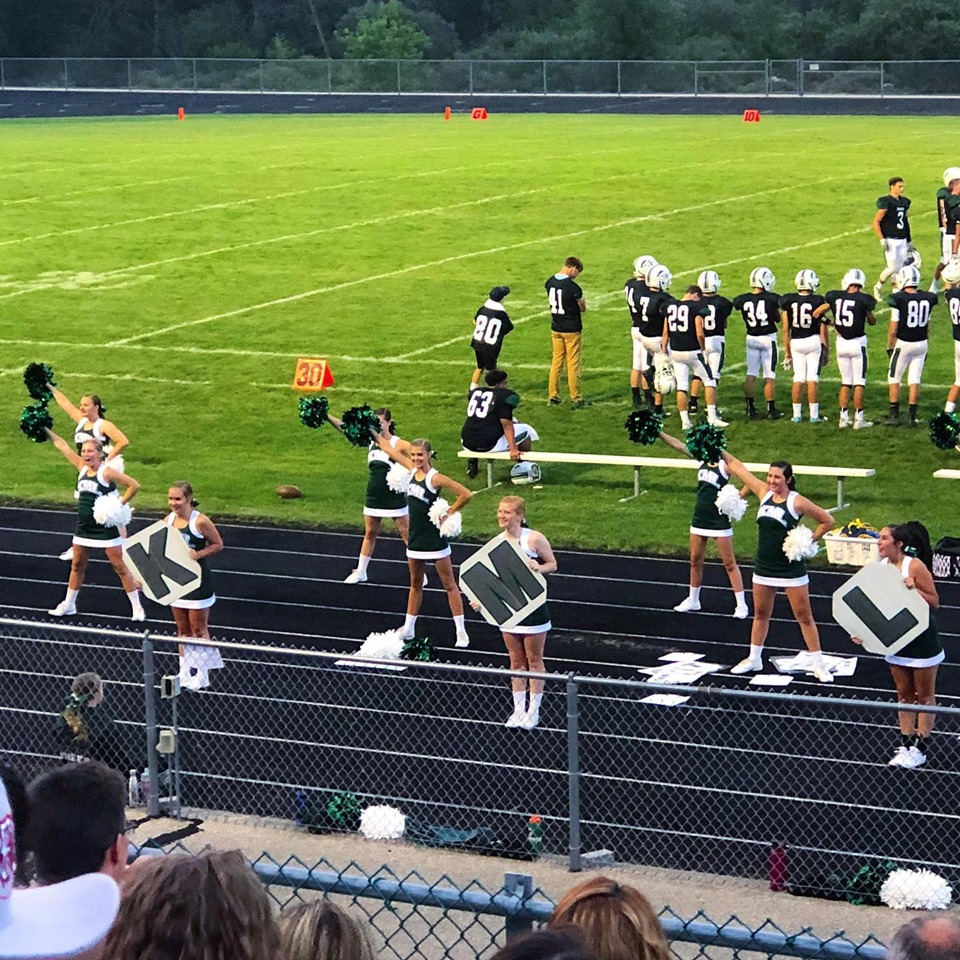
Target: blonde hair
<point>423,444</point>
<point>322,931</point>
<point>204,907</point>
<point>617,920</point>
<point>518,504</point>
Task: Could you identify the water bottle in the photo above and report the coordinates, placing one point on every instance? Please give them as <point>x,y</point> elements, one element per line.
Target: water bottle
<point>133,790</point>
<point>778,865</point>
<point>145,785</point>
<point>535,834</point>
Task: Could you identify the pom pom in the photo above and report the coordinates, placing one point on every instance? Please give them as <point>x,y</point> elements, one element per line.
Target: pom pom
<point>398,478</point>
<point>730,503</point>
<point>35,379</point>
<point>916,890</point>
<point>452,526</point>
<point>116,463</point>
<point>945,430</point>
<point>417,649</point>
<point>344,810</point>
<point>706,442</point>
<point>108,511</point>
<point>799,544</point>
<point>382,646</point>
<point>35,421</point>
<point>644,426</point>
<point>382,823</point>
<point>359,424</point>
<point>313,411</point>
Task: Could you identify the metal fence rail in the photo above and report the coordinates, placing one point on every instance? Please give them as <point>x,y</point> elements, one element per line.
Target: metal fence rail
<point>433,918</point>
<point>795,78</point>
<point>791,789</point>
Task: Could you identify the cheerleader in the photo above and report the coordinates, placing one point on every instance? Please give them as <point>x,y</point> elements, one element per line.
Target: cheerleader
<point>97,479</point>
<point>191,613</point>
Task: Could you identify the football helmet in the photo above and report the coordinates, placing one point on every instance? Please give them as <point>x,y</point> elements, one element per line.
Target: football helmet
<point>951,272</point>
<point>763,278</point>
<point>807,280</point>
<point>664,380</point>
<point>643,265</point>
<point>908,277</point>
<point>659,277</point>
<point>708,281</point>
<point>950,174</point>
<point>853,277</point>
<point>525,472</point>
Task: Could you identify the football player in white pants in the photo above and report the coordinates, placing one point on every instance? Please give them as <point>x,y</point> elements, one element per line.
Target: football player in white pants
<point>892,228</point>
<point>805,344</point>
<point>637,295</point>
<point>714,330</point>
<point>948,206</point>
<point>760,309</point>
<point>951,296</point>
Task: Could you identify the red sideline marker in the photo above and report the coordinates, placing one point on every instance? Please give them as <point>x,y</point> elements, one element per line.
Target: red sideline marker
<point>751,116</point>
<point>181,113</point>
<point>447,113</point>
<point>478,113</point>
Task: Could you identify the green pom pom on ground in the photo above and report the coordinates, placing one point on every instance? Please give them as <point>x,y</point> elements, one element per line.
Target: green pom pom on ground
<point>945,430</point>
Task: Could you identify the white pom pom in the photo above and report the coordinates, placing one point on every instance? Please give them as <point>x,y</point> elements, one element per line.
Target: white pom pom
<point>450,527</point>
<point>381,646</point>
<point>730,503</point>
<point>116,463</point>
<point>398,478</point>
<point>916,890</point>
<point>382,823</point>
<point>799,544</point>
<point>108,511</point>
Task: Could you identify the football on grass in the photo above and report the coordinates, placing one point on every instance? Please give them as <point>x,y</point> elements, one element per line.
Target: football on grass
<point>287,491</point>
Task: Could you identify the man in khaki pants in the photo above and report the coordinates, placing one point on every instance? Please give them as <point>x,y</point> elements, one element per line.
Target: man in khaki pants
<point>566,308</point>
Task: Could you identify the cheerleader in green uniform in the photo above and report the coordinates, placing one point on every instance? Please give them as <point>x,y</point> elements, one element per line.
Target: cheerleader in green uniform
<point>781,509</point>
<point>425,541</point>
<point>709,523</point>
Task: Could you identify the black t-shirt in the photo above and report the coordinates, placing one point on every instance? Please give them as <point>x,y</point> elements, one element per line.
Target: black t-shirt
<point>913,311</point>
<point>681,319</point>
<point>894,224</point>
<point>490,325</point>
<point>637,295</point>
<point>850,312</point>
<point>718,312</point>
<point>564,292</point>
<point>486,407</point>
<point>799,310</point>
<point>761,312</point>
<point>951,298</point>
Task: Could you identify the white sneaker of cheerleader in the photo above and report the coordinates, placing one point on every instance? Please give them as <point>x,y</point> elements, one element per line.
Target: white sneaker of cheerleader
<point>195,665</point>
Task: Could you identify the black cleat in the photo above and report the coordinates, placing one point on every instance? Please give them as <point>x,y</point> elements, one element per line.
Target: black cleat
<point>473,467</point>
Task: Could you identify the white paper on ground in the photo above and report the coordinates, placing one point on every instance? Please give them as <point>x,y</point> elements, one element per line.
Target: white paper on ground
<point>681,673</point>
<point>771,680</point>
<point>665,699</point>
<point>385,665</point>
<point>803,663</point>
<point>681,657</point>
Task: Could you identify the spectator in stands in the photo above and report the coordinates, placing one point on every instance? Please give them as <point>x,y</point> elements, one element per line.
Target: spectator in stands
<point>77,822</point>
<point>320,930</point>
<point>560,943</point>
<point>927,938</point>
<point>20,810</point>
<point>87,731</point>
<point>204,907</point>
<point>53,921</point>
<point>617,920</point>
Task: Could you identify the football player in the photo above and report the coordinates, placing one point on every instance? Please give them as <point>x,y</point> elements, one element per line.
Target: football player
<point>907,341</point>
<point>951,296</point>
<point>490,325</point>
<point>760,309</point>
<point>805,343</point>
<point>852,310</point>
<point>637,294</point>
<point>658,281</point>
<point>948,207</point>
<point>714,330</point>
<point>891,224</point>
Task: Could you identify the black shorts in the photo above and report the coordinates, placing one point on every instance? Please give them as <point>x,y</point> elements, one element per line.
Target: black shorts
<point>486,359</point>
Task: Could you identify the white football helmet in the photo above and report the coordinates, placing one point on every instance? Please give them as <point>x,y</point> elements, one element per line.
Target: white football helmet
<point>950,174</point>
<point>664,380</point>
<point>708,281</point>
<point>913,258</point>
<point>908,277</point>
<point>853,278</point>
<point>763,278</point>
<point>951,272</point>
<point>807,280</point>
<point>643,265</point>
<point>659,277</point>
<point>525,472</point>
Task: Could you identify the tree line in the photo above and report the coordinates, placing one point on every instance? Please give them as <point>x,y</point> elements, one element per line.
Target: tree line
<point>482,29</point>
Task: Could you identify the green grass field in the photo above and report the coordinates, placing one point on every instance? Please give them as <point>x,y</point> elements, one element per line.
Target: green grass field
<point>179,269</point>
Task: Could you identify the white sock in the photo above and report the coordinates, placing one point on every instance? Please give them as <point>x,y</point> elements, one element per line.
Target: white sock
<point>844,414</point>
<point>756,654</point>
<point>535,699</point>
<point>798,409</point>
<point>519,701</point>
<point>814,411</point>
<point>711,411</point>
<point>71,597</point>
<point>362,563</point>
<point>695,594</point>
<point>134,597</point>
<point>860,416</point>
<point>459,623</point>
<point>741,597</point>
<point>409,624</point>
<point>818,658</point>
<point>685,420</point>
<point>949,407</point>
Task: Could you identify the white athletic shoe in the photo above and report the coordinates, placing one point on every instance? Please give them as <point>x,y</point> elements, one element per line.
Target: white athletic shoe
<point>516,718</point>
<point>138,615</point>
<point>63,609</point>
<point>823,674</point>
<point>742,612</point>
<point>717,422</point>
<point>199,681</point>
<point>463,640</point>
<point>915,758</point>
<point>356,577</point>
<point>901,758</point>
<point>749,665</point>
<point>818,420</point>
<point>67,554</point>
<point>862,424</point>
<point>401,635</point>
<point>531,718</point>
<point>687,605</point>
<point>844,423</point>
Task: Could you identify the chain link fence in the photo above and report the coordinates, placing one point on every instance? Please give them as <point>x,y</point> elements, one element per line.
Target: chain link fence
<point>785,788</point>
<point>795,78</point>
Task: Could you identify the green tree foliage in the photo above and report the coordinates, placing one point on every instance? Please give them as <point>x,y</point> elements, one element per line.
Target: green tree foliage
<point>384,31</point>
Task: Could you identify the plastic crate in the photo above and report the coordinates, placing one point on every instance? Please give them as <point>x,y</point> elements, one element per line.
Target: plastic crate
<point>851,551</point>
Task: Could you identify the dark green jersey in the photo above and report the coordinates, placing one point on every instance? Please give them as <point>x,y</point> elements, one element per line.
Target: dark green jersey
<point>89,490</point>
<point>424,535</point>
<point>894,224</point>
<point>711,478</point>
<point>774,521</point>
<point>928,644</point>
<point>379,495</point>
<point>195,540</point>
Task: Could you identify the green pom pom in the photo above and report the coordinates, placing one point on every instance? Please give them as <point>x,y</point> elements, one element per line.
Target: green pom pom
<point>706,442</point>
<point>359,425</point>
<point>644,426</point>
<point>417,649</point>
<point>344,810</point>
<point>945,430</point>
<point>35,379</point>
<point>313,411</point>
<point>34,422</point>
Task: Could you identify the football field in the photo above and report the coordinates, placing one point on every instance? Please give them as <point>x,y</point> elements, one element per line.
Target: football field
<point>178,269</point>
